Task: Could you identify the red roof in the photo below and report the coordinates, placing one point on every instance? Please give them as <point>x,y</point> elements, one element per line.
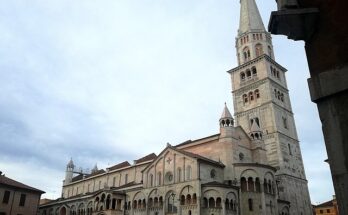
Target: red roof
<point>15,184</point>
<point>325,204</point>
<point>119,166</point>
<point>149,157</point>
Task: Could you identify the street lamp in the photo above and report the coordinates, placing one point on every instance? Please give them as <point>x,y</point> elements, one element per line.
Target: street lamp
<point>173,196</point>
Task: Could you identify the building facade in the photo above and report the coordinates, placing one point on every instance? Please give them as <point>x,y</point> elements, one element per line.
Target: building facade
<point>327,208</point>
<point>18,198</point>
<point>252,166</point>
<point>260,94</point>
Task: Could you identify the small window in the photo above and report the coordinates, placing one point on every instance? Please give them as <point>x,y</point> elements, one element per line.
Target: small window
<point>245,98</point>
<point>285,122</point>
<point>289,147</point>
<point>328,210</point>
<point>22,200</point>
<point>6,197</point>
<point>126,179</point>
<point>212,173</point>
<point>250,203</point>
<point>242,76</point>
<point>321,211</point>
<point>257,93</point>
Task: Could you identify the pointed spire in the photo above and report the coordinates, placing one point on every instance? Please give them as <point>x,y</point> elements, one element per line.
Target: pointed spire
<point>226,113</point>
<point>250,18</point>
<point>70,164</point>
<point>95,169</point>
<point>226,119</point>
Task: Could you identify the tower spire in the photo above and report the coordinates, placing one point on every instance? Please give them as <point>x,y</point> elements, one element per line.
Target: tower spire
<point>250,19</point>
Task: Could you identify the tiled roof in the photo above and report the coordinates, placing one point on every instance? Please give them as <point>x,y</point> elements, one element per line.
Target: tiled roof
<point>119,166</point>
<point>77,178</point>
<point>98,172</point>
<point>200,157</point>
<point>192,141</point>
<point>15,184</point>
<point>325,204</point>
<point>149,157</point>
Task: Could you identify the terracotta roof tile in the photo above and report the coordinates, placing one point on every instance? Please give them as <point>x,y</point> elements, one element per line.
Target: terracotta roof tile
<point>98,172</point>
<point>15,184</point>
<point>119,166</point>
<point>200,157</point>
<point>149,157</point>
<point>325,204</point>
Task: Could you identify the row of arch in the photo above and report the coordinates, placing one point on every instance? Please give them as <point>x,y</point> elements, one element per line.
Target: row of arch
<point>230,204</point>
<point>279,95</point>
<point>275,73</point>
<point>106,202</point>
<point>251,96</point>
<point>251,185</point>
<point>248,73</point>
<point>188,200</point>
<point>169,177</point>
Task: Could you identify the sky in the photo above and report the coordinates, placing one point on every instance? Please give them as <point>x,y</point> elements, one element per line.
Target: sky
<point>107,81</point>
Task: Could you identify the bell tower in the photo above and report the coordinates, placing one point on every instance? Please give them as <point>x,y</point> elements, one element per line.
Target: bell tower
<point>262,107</point>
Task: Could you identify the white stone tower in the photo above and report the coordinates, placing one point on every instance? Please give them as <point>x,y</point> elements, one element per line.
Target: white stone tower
<point>69,172</point>
<point>261,100</point>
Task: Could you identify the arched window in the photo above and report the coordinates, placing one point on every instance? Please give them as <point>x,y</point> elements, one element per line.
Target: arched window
<point>182,200</point>
<point>211,202</point>
<point>179,174</point>
<point>251,96</point>
<point>242,76</point>
<point>250,203</point>
<point>188,172</point>
<point>254,71</point>
<point>218,202</point>
<point>188,199</point>
<point>258,185</point>
<point>246,53</point>
<point>150,202</point>
<point>248,73</point>
<point>205,202</point>
<point>159,176</point>
<point>251,184</point>
<point>243,184</point>
<point>245,98</point>
<point>265,186</point>
<point>258,50</point>
<point>257,93</point>
<point>194,199</point>
<point>151,180</point>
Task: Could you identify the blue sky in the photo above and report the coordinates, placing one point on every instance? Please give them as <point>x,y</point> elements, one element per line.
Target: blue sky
<point>108,81</point>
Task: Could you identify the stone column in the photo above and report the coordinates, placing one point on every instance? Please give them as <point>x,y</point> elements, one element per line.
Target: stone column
<point>263,199</point>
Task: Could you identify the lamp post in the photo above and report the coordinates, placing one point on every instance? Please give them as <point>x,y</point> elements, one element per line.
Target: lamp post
<point>173,196</point>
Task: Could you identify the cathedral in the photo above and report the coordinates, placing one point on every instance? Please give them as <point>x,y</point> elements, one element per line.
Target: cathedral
<point>252,167</point>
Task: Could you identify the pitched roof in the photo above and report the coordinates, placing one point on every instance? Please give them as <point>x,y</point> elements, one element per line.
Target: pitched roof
<point>325,204</point>
<point>200,157</point>
<point>98,172</point>
<point>15,184</point>
<point>77,178</point>
<point>119,166</point>
<point>226,113</point>
<point>148,157</point>
<point>250,19</point>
